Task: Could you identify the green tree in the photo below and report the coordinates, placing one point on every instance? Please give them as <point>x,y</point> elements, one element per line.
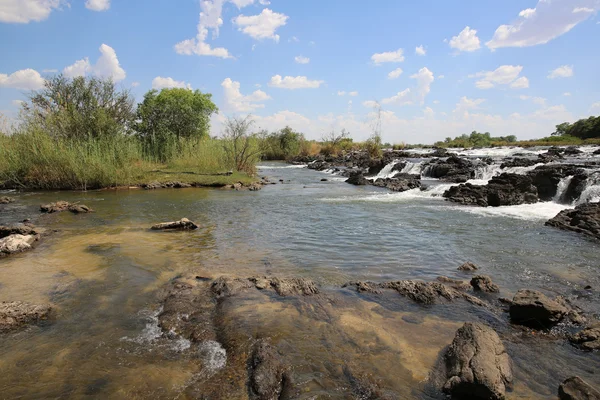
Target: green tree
<point>562,129</point>
<point>243,148</point>
<point>166,117</point>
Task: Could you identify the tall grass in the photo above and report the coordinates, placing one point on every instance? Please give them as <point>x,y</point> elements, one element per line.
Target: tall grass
<point>205,155</point>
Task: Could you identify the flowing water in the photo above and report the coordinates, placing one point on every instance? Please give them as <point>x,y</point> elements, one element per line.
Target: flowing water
<point>102,271</point>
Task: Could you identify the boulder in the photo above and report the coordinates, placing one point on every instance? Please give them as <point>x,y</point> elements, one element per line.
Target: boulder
<point>585,219</point>
<point>453,169</point>
<point>576,187</point>
<point>534,309</point>
<point>518,162</point>
<point>484,283</point>
<point>182,224</point>
<point>504,190</point>
<point>597,152</point>
<point>477,365</point>
<point>19,229</point>
<point>572,151</point>
<point>575,388</point>
<point>468,266</point>
<point>268,374</point>
<point>400,182</point>
<point>60,206</point>
<point>17,314</point>
<point>589,338</point>
<point>357,178</point>
<point>547,177</point>
<point>467,194</point>
<point>16,243</point>
<point>6,200</point>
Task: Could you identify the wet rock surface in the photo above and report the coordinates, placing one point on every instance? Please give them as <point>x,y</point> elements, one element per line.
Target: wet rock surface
<point>588,339</point>
<point>584,219</point>
<point>504,190</point>
<point>575,388</point>
<point>61,206</point>
<point>547,177</point>
<point>468,267</point>
<point>400,182</point>
<point>534,309</point>
<point>453,169</point>
<point>477,365</point>
<point>17,314</point>
<point>6,200</point>
<point>484,283</point>
<point>182,224</point>
<point>357,178</point>
<point>269,377</point>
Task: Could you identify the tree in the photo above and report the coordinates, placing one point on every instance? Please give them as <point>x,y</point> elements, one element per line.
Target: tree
<point>561,129</point>
<point>166,117</point>
<point>79,108</point>
<point>242,148</point>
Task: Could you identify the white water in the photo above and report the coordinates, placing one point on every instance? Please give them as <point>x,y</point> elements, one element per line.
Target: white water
<point>386,172</point>
<point>485,173</point>
<point>591,193</point>
<point>413,168</point>
<point>530,212</point>
<point>562,187</point>
<point>213,355</point>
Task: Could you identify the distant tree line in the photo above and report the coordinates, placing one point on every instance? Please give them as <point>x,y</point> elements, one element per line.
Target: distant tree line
<point>476,139</point>
<point>586,128</point>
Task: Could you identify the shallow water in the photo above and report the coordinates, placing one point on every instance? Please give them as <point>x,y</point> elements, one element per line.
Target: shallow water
<point>101,272</point>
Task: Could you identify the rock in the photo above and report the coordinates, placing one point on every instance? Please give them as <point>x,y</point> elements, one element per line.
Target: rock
<point>16,243</point>
<point>400,182</point>
<point>477,365</point>
<point>16,314</point>
<point>6,200</point>
<point>504,190</point>
<point>19,229</point>
<point>453,169</point>
<point>467,194</point>
<point>226,287</point>
<point>319,165</point>
<point>324,180</point>
<point>547,177</point>
<point>294,286</point>
<point>584,219</point>
<point>575,388</point>
<point>254,187</point>
<point>269,376</point>
<point>182,224</point>
<point>61,206</point>
<point>572,151</point>
<point>468,266</point>
<point>589,338</point>
<point>534,309</point>
<point>357,178</point>
<point>518,162</point>
<point>484,283</point>
<point>597,152</point>
<point>455,283</point>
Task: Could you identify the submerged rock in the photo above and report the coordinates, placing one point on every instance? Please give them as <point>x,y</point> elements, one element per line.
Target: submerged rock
<point>16,314</point>
<point>575,388</point>
<point>226,287</point>
<point>294,286</point>
<point>269,376</point>
<point>589,338</point>
<point>484,283</point>
<point>182,224</point>
<point>534,309</point>
<point>477,364</point>
<point>60,206</point>
<point>6,200</point>
<point>468,266</point>
<point>585,219</point>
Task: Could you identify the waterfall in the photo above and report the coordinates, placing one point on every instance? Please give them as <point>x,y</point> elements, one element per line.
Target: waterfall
<point>386,172</point>
<point>487,172</point>
<point>563,185</point>
<point>413,168</point>
<point>591,193</point>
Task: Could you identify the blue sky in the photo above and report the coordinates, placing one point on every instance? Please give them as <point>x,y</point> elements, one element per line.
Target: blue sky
<point>436,68</point>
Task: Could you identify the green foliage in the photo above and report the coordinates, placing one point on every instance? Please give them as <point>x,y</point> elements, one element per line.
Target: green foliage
<point>242,148</point>
<point>283,144</point>
<point>476,139</point>
<point>334,143</point>
<point>373,146</point>
<point>79,108</point>
<point>165,118</point>
<point>587,128</point>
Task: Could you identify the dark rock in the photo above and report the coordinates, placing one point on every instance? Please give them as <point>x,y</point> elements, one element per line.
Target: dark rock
<point>398,167</point>
<point>324,180</point>
<point>484,283</point>
<point>226,287</point>
<point>576,187</point>
<point>467,194</point>
<point>400,182</point>
<point>455,283</point>
<point>534,309</point>
<point>357,178</point>
<point>468,266</point>
<point>597,152</point>
<point>477,364</point>
<point>182,224</point>
<point>60,206</point>
<point>319,165</point>
<point>6,200</point>
<point>17,314</point>
<point>589,338</point>
<point>364,287</point>
<point>294,286</point>
<point>453,169</point>
<point>547,177</point>
<point>503,190</point>
<point>572,151</point>
<point>518,162</point>
<point>19,229</point>
<point>585,219</point>
<point>269,376</point>
<point>575,388</point>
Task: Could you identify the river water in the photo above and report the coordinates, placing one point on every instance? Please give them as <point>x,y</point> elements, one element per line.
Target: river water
<point>102,271</point>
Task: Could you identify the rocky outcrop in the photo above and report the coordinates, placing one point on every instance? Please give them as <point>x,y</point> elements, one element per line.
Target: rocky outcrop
<point>518,162</point>
<point>182,224</point>
<point>400,182</point>
<point>269,376</point>
<point>547,177</point>
<point>61,206</point>
<point>584,219</point>
<point>482,283</point>
<point>19,229</point>
<point>536,310</point>
<point>575,388</point>
<point>468,266</point>
<point>16,244</point>
<point>453,169</point>
<point>588,339</point>
<point>291,286</point>
<point>165,185</point>
<point>572,151</point>
<point>17,314</point>
<point>503,190</point>
<point>357,178</point>
<point>477,364</point>
<point>6,200</point>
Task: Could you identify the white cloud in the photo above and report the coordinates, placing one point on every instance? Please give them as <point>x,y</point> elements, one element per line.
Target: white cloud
<point>353,94</point>
<point>503,75</point>
<point>390,56</point>
<point>341,93</point>
<point>244,3</point>
<point>395,73</point>
<point>261,26</point>
<point>25,11</point>
<point>25,79</point>
<point>135,84</point>
<point>291,82</point>
<point>436,102</point>
<point>293,39</point>
<point>441,77</point>
<point>302,60</point>
<point>424,79</point>
<point>107,66</point>
<point>567,94</point>
<point>166,83</point>
<point>566,71</point>
<point>370,104</point>
<point>549,20</point>
<point>97,5</point>
<point>466,40</point>
<point>237,102</point>
<point>465,104</point>
<point>420,51</point>
<point>210,19</point>
<point>428,113</point>
<point>536,100</point>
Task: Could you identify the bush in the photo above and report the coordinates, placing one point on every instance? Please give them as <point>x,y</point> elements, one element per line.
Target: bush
<point>242,149</point>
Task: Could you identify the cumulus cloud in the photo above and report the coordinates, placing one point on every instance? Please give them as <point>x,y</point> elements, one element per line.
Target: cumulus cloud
<point>237,102</point>
<point>107,66</point>
<point>294,82</point>
<point>166,83</point>
<point>341,93</point>
<point>566,71</point>
<point>25,11</point>
<point>408,96</point>
<point>244,3</point>
<point>25,79</point>
<point>353,94</point>
<point>420,51</point>
<point>395,73</point>
<point>547,21</point>
<point>210,19</point>
<point>390,56</point>
<point>97,5</point>
<point>302,60</point>
<point>261,26</point>
<point>465,104</point>
<point>466,40</point>
<point>503,75</point>
<point>567,94</point>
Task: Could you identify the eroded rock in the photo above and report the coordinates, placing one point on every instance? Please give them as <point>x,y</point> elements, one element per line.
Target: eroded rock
<point>61,206</point>
<point>294,286</point>
<point>6,200</point>
<point>468,266</point>
<point>534,309</point>
<point>584,219</point>
<point>16,243</point>
<point>357,178</point>
<point>504,190</point>
<point>225,287</point>
<point>484,283</point>
<point>477,365</point>
<point>182,224</point>
<point>269,375</point>
<point>589,338</point>
<point>16,314</point>
<point>575,388</point>
<point>400,182</point>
